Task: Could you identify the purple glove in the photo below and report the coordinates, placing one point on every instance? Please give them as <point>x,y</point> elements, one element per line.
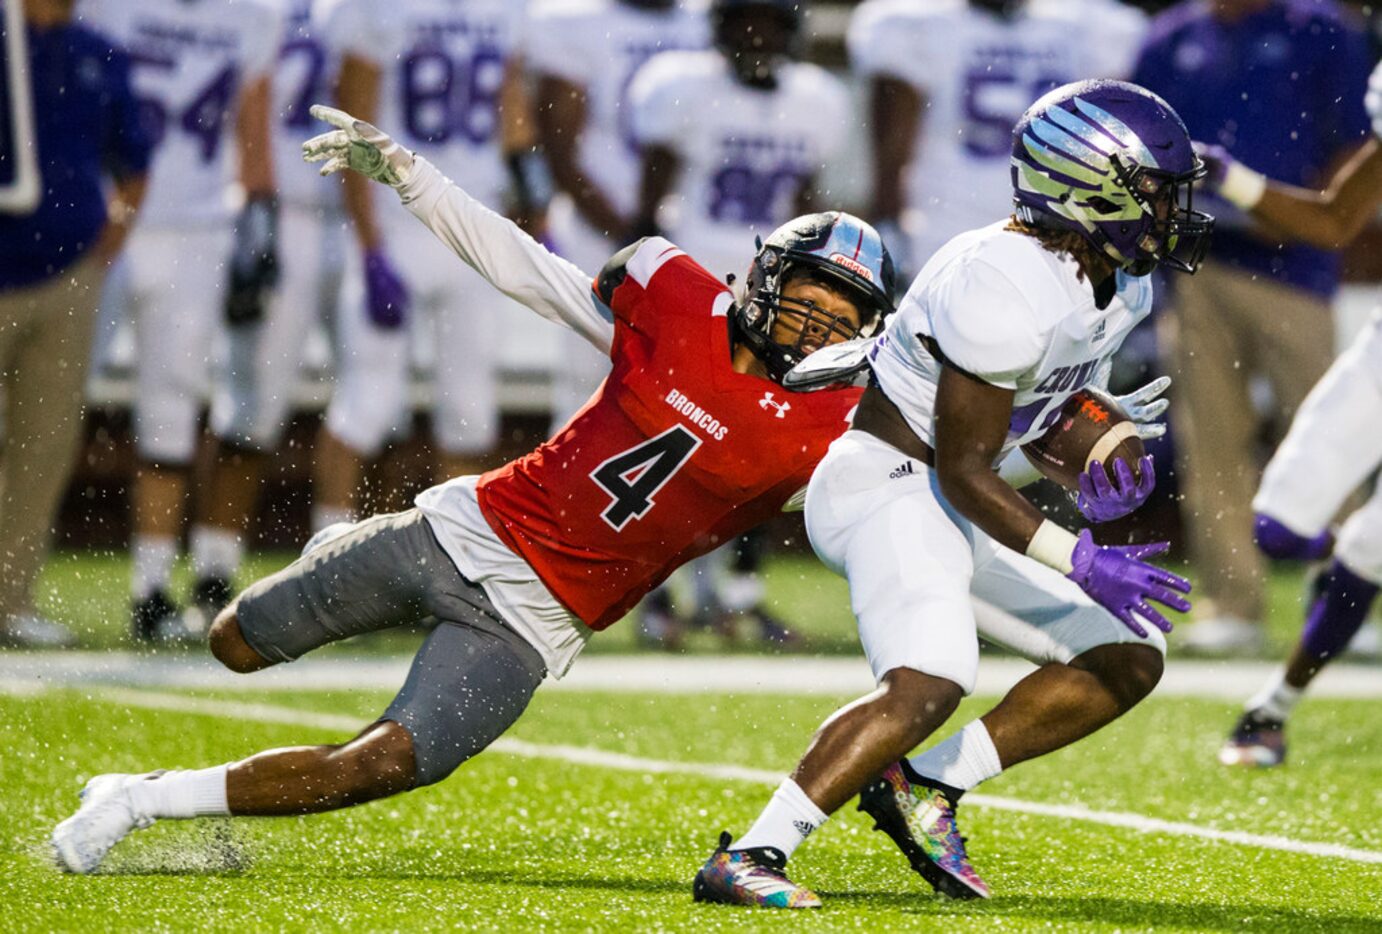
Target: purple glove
<point>1119,581</point>
<point>1216,161</point>
<point>386,297</point>
<point>1102,501</point>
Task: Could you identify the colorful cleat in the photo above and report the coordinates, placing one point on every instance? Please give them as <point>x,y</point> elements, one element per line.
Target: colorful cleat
<point>1257,742</point>
<point>749,877</point>
<point>921,821</point>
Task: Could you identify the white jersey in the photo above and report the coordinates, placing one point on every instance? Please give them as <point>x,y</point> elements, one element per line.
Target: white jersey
<point>191,58</point>
<point>598,45</point>
<point>442,67</point>
<point>978,73</point>
<point>745,152</point>
<point>1003,308</point>
<point>304,75</point>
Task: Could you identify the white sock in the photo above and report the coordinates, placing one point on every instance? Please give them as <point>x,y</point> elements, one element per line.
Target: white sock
<point>153,563</point>
<point>788,819</point>
<point>962,761</point>
<point>216,552</point>
<point>182,794</point>
<point>1277,698</point>
<point>323,516</point>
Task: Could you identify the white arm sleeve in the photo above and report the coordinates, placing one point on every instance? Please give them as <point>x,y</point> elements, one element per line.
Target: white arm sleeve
<point>513,262</point>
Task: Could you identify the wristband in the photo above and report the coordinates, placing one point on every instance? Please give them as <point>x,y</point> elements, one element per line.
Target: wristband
<point>1053,546</point>
<point>1242,187</point>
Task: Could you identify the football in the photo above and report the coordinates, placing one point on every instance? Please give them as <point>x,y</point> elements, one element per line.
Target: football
<point>1091,427</point>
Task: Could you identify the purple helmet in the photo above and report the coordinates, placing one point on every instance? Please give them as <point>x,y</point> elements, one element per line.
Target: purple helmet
<point>1112,162</point>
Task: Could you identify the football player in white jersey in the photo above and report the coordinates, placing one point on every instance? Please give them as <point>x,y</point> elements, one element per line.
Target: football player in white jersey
<point>254,386</point>
<point>585,55</point>
<point>202,69</point>
<point>1333,445</point>
<point>947,80</point>
<point>444,74</point>
<point>1002,325</point>
<point>734,138</point>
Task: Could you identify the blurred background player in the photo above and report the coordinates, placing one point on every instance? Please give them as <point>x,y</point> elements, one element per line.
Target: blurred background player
<point>947,81</point>
<point>267,333</point>
<point>584,55</point>
<point>733,140</point>
<point>1278,84</point>
<point>1333,446</point>
<point>202,74</point>
<point>447,78</point>
<point>70,106</point>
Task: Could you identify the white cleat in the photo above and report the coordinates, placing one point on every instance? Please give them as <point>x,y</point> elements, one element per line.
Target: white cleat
<point>107,814</point>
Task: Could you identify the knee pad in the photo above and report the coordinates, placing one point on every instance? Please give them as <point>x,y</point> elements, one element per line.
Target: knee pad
<point>1277,541</point>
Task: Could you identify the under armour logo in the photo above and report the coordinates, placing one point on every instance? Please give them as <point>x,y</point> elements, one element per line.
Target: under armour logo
<point>804,827</point>
<point>768,402</point>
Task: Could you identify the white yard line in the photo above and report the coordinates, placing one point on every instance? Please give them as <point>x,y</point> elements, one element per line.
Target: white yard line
<point>584,755</point>
<point>800,675</point>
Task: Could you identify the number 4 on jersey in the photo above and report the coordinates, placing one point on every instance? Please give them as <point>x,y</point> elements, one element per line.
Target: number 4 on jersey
<point>634,476</point>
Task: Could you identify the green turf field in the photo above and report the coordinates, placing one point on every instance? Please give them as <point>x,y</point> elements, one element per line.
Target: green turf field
<point>512,843</point>
<point>90,592</point>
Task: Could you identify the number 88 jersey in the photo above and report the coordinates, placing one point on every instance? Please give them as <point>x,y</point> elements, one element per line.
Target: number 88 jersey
<point>675,454</point>
<point>190,63</point>
<point>442,66</point>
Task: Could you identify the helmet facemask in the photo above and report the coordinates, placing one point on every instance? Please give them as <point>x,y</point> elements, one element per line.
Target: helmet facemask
<point>764,307</point>
<point>1176,235</point>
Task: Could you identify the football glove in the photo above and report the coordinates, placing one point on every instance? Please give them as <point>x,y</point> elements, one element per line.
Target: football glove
<point>359,146</point>
<point>1145,405</point>
<point>1117,579</point>
<point>253,261</point>
<point>385,293</point>
<point>1102,500</point>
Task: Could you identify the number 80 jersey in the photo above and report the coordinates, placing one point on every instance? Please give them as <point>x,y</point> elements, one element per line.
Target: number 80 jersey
<point>675,454</point>
<point>441,67</point>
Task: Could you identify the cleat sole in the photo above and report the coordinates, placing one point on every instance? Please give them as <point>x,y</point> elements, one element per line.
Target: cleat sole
<point>888,822</point>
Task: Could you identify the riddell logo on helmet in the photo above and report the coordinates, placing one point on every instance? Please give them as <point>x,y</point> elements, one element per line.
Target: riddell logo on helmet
<point>853,265</point>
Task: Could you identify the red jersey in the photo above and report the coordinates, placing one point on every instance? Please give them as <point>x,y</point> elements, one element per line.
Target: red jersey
<point>675,454</point>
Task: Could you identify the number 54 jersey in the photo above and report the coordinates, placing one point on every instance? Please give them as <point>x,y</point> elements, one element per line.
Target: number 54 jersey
<point>191,61</point>
<point>675,454</point>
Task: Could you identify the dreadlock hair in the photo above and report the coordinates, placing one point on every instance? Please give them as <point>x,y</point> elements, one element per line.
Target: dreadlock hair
<point>1067,242</point>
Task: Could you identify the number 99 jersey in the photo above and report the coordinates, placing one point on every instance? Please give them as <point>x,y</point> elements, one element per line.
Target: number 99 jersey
<point>190,62</point>
<point>675,454</point>
<point>442,67</point>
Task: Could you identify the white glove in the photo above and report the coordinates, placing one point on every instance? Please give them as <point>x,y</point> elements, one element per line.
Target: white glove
<point>1373,100</point>
<point>1144,407</point>
<point>357,145</point>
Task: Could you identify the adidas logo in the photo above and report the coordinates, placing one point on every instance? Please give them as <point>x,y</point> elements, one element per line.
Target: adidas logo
<point>1098,333</point>
<point>906,470</point>
<point>804,827</point>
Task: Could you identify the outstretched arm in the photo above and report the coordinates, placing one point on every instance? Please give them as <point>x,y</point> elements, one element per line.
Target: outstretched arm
<point>493,246</point>
<point>1328,219</point>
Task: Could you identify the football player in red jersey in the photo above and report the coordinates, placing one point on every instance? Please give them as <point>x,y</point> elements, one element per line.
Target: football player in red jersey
<point>689,442</point>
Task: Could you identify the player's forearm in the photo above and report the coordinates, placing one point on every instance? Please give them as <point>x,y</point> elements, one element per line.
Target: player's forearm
<point>660,169</point>
<point>1331,218</point>
<point>508,258</point>
<point>895,111</point>
<point>357,92</point>
<point>561,119</point>
<point>985,499</point>
<point>252,134</point>
<point>121,209</point>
